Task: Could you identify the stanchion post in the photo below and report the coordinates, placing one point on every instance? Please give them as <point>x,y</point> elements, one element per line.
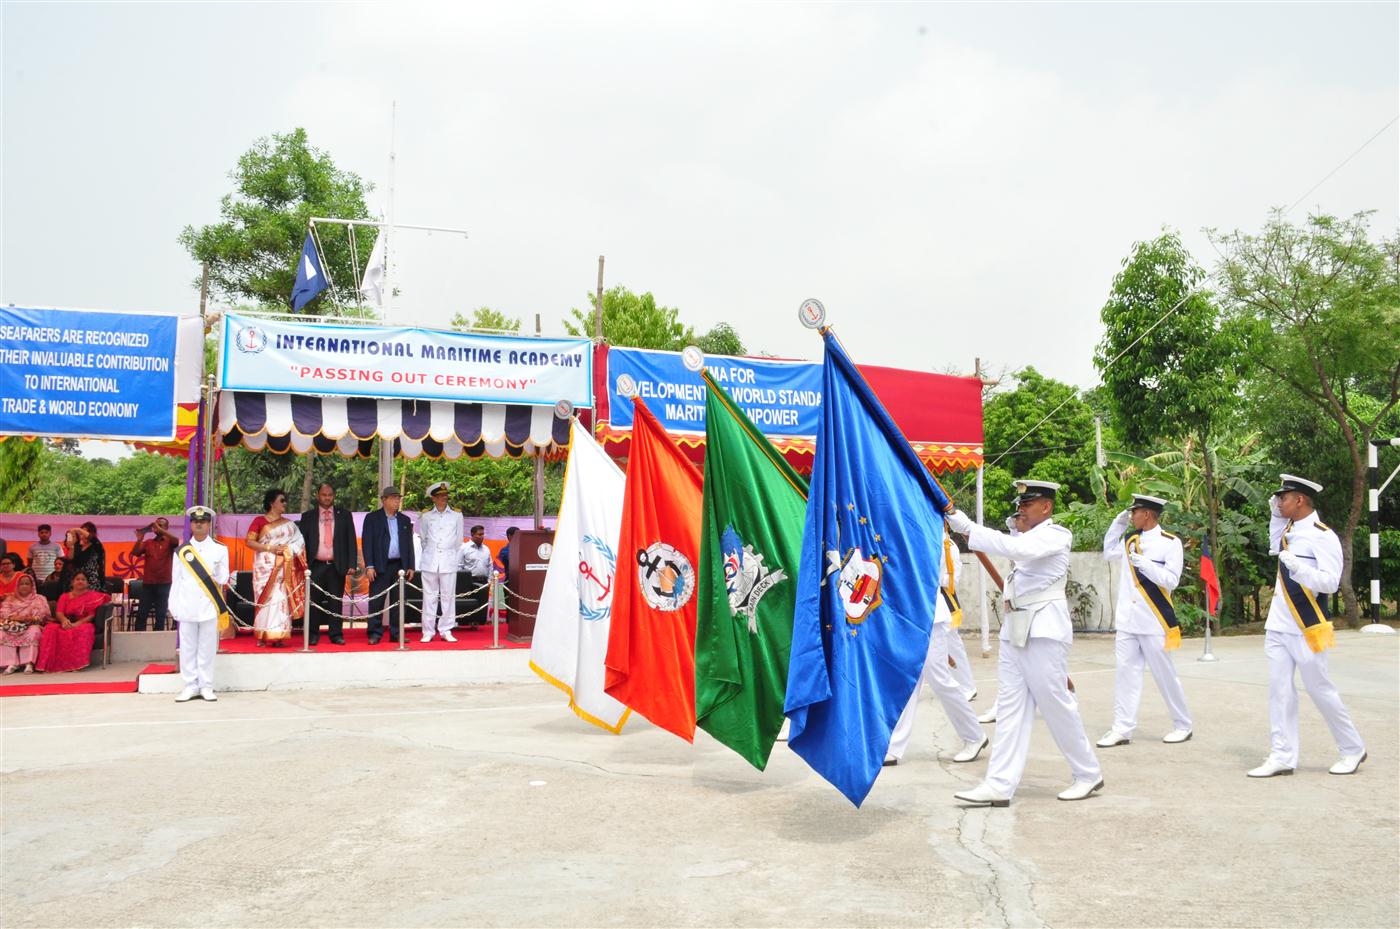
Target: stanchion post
<point>306,614</point>
<point>402,647</point>
<point>495,613</point>
<point>1208,655</point>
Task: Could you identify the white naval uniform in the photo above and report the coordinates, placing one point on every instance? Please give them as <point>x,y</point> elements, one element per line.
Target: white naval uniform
<point>963,672</point>
<point>1034,677</point>
<point>441,535</point>
<point>1318,548</point>
<point>939,677</point>
<point>192,608</point>
<point>1139,638</point>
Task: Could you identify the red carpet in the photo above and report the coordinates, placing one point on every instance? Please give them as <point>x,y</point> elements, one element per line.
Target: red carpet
<point>357,640</point>
<point>44,685</point>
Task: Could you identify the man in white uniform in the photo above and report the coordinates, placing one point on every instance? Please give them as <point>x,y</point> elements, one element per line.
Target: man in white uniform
<point>1033,660</point>
<point>440,530</point>
<point>1145,625</point>
<point>939,677</point>
<point>196,602</point>
<point>1298,632</point>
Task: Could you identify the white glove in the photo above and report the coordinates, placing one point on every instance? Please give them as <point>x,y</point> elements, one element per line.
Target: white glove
<point>1123,518</point>
<point>1289,561</point>
<point>1139,560</point>
<point>959,522</point>
<point>1010,524</point>
<point>1274,508</point>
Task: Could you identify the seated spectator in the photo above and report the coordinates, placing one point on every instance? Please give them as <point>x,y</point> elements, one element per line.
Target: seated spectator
<point>11,570</point>
<point>66,645</point>
<point>56,584</point>
<point>22,619</point>
<point>42,554</point>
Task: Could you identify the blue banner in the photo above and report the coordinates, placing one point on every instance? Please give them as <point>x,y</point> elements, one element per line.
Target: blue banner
<point>87,374</point>
<point>781,397</point>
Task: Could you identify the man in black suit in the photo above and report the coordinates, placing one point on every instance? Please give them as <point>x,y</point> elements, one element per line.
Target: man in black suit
<point>387,541</point>
<point>330,551</point>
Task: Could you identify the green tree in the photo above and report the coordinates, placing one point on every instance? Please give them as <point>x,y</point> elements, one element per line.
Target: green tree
<point>19,471</point>
<point>633,320</point>
<point>722,339</point>
<point>484,319</point>
<point>141,483</point>
<point>278,185</point>
<point>1324,304</point>
<point>1060,450</point>
<point>1170,365</point>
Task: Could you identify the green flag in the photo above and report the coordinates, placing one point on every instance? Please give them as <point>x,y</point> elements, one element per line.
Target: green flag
<point>750,544</point>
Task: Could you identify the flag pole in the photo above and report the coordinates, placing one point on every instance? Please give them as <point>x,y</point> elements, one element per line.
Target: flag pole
<point>386,446</point>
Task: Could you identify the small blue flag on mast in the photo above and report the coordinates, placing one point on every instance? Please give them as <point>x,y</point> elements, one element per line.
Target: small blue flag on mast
<point>311,279</point>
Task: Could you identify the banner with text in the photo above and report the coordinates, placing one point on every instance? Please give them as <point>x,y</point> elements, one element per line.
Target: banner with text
<point>87,374</point>
<point>781,397</point>
<point>411,364</point>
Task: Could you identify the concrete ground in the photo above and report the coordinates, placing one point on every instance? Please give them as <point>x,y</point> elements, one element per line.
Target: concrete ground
<point>496,806</point>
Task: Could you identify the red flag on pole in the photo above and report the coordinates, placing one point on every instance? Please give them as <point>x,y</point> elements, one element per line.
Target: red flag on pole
<point>1209,579</point>
<point>651,642</point>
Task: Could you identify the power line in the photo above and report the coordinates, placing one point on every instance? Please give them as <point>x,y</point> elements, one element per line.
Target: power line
<point>1344,163</point>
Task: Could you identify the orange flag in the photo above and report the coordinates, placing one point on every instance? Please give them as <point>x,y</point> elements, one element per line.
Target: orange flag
<point>651,642</point>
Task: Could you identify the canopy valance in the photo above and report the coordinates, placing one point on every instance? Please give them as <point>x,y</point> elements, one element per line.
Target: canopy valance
<point>283,422</point>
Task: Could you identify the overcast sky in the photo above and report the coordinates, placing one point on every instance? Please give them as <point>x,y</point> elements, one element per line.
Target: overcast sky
<point>951,180</point>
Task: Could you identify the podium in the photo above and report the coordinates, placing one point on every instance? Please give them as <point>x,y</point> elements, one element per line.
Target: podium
<point>529,558</point>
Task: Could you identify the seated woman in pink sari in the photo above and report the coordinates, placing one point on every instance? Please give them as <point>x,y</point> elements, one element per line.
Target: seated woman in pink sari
<point>22,618</point>
<point>279,571</point>
<point>66,645</point>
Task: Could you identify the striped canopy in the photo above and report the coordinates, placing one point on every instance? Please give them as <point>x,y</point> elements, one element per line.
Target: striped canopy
<point>348,425</point>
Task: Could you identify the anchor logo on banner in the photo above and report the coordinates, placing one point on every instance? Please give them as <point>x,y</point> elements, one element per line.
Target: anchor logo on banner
<point>597,567</point>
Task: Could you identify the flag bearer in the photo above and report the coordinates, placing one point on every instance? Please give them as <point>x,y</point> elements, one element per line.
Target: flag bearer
<point>940,678</point>
<point>440,529</point>
<point>1145,624</point>
<point>1033,659</point>
<point>1298,632</point>
<point>198,605</point>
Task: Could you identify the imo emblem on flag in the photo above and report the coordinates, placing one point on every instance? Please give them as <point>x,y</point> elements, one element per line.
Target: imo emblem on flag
<point>745,577</point>
<point>596,567</point>
<point>859,585</point>
<point>666,577</point>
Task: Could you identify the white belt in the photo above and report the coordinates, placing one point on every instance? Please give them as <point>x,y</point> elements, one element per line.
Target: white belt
<point>1056,591</point>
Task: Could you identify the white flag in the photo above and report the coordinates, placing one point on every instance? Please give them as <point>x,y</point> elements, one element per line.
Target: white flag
<point>372,287</point>
<point>571,627</point>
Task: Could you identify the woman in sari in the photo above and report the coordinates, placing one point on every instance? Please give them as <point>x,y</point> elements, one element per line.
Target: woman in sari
<point>279,571</point>
<point>66,645</point>
<point>87,556</point>
<point>10,573</point>
<point>22,618</point>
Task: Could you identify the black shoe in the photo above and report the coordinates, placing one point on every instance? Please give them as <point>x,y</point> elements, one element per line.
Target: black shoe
<point>337,640</point>
<point>374,639</point>
<point>314,641</point>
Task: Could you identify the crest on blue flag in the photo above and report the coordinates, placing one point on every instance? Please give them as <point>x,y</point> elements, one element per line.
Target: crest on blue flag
<point>311,277</point>
<point>867,586</point>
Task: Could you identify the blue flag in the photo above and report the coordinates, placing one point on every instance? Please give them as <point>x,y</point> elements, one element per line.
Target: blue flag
<point>311,279</point>
<point>867,585</point>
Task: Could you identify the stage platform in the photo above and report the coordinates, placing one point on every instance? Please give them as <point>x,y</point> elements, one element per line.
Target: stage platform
<point>243,666</point>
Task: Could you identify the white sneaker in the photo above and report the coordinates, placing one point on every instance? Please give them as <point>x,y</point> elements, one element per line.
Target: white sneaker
<point>208,694</point>
<point>971,750</point>
<point>982,795</point>
<point>449,637</point>
<point>1111,738</point>
<point>988,717</point>
<point>1271,768</point>
<point>186,695</point>
<point>1080,789</point>
<point>1348,764</point>
<point>970,694</point>
<point>1177,735</point>
<point>427,637</point>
